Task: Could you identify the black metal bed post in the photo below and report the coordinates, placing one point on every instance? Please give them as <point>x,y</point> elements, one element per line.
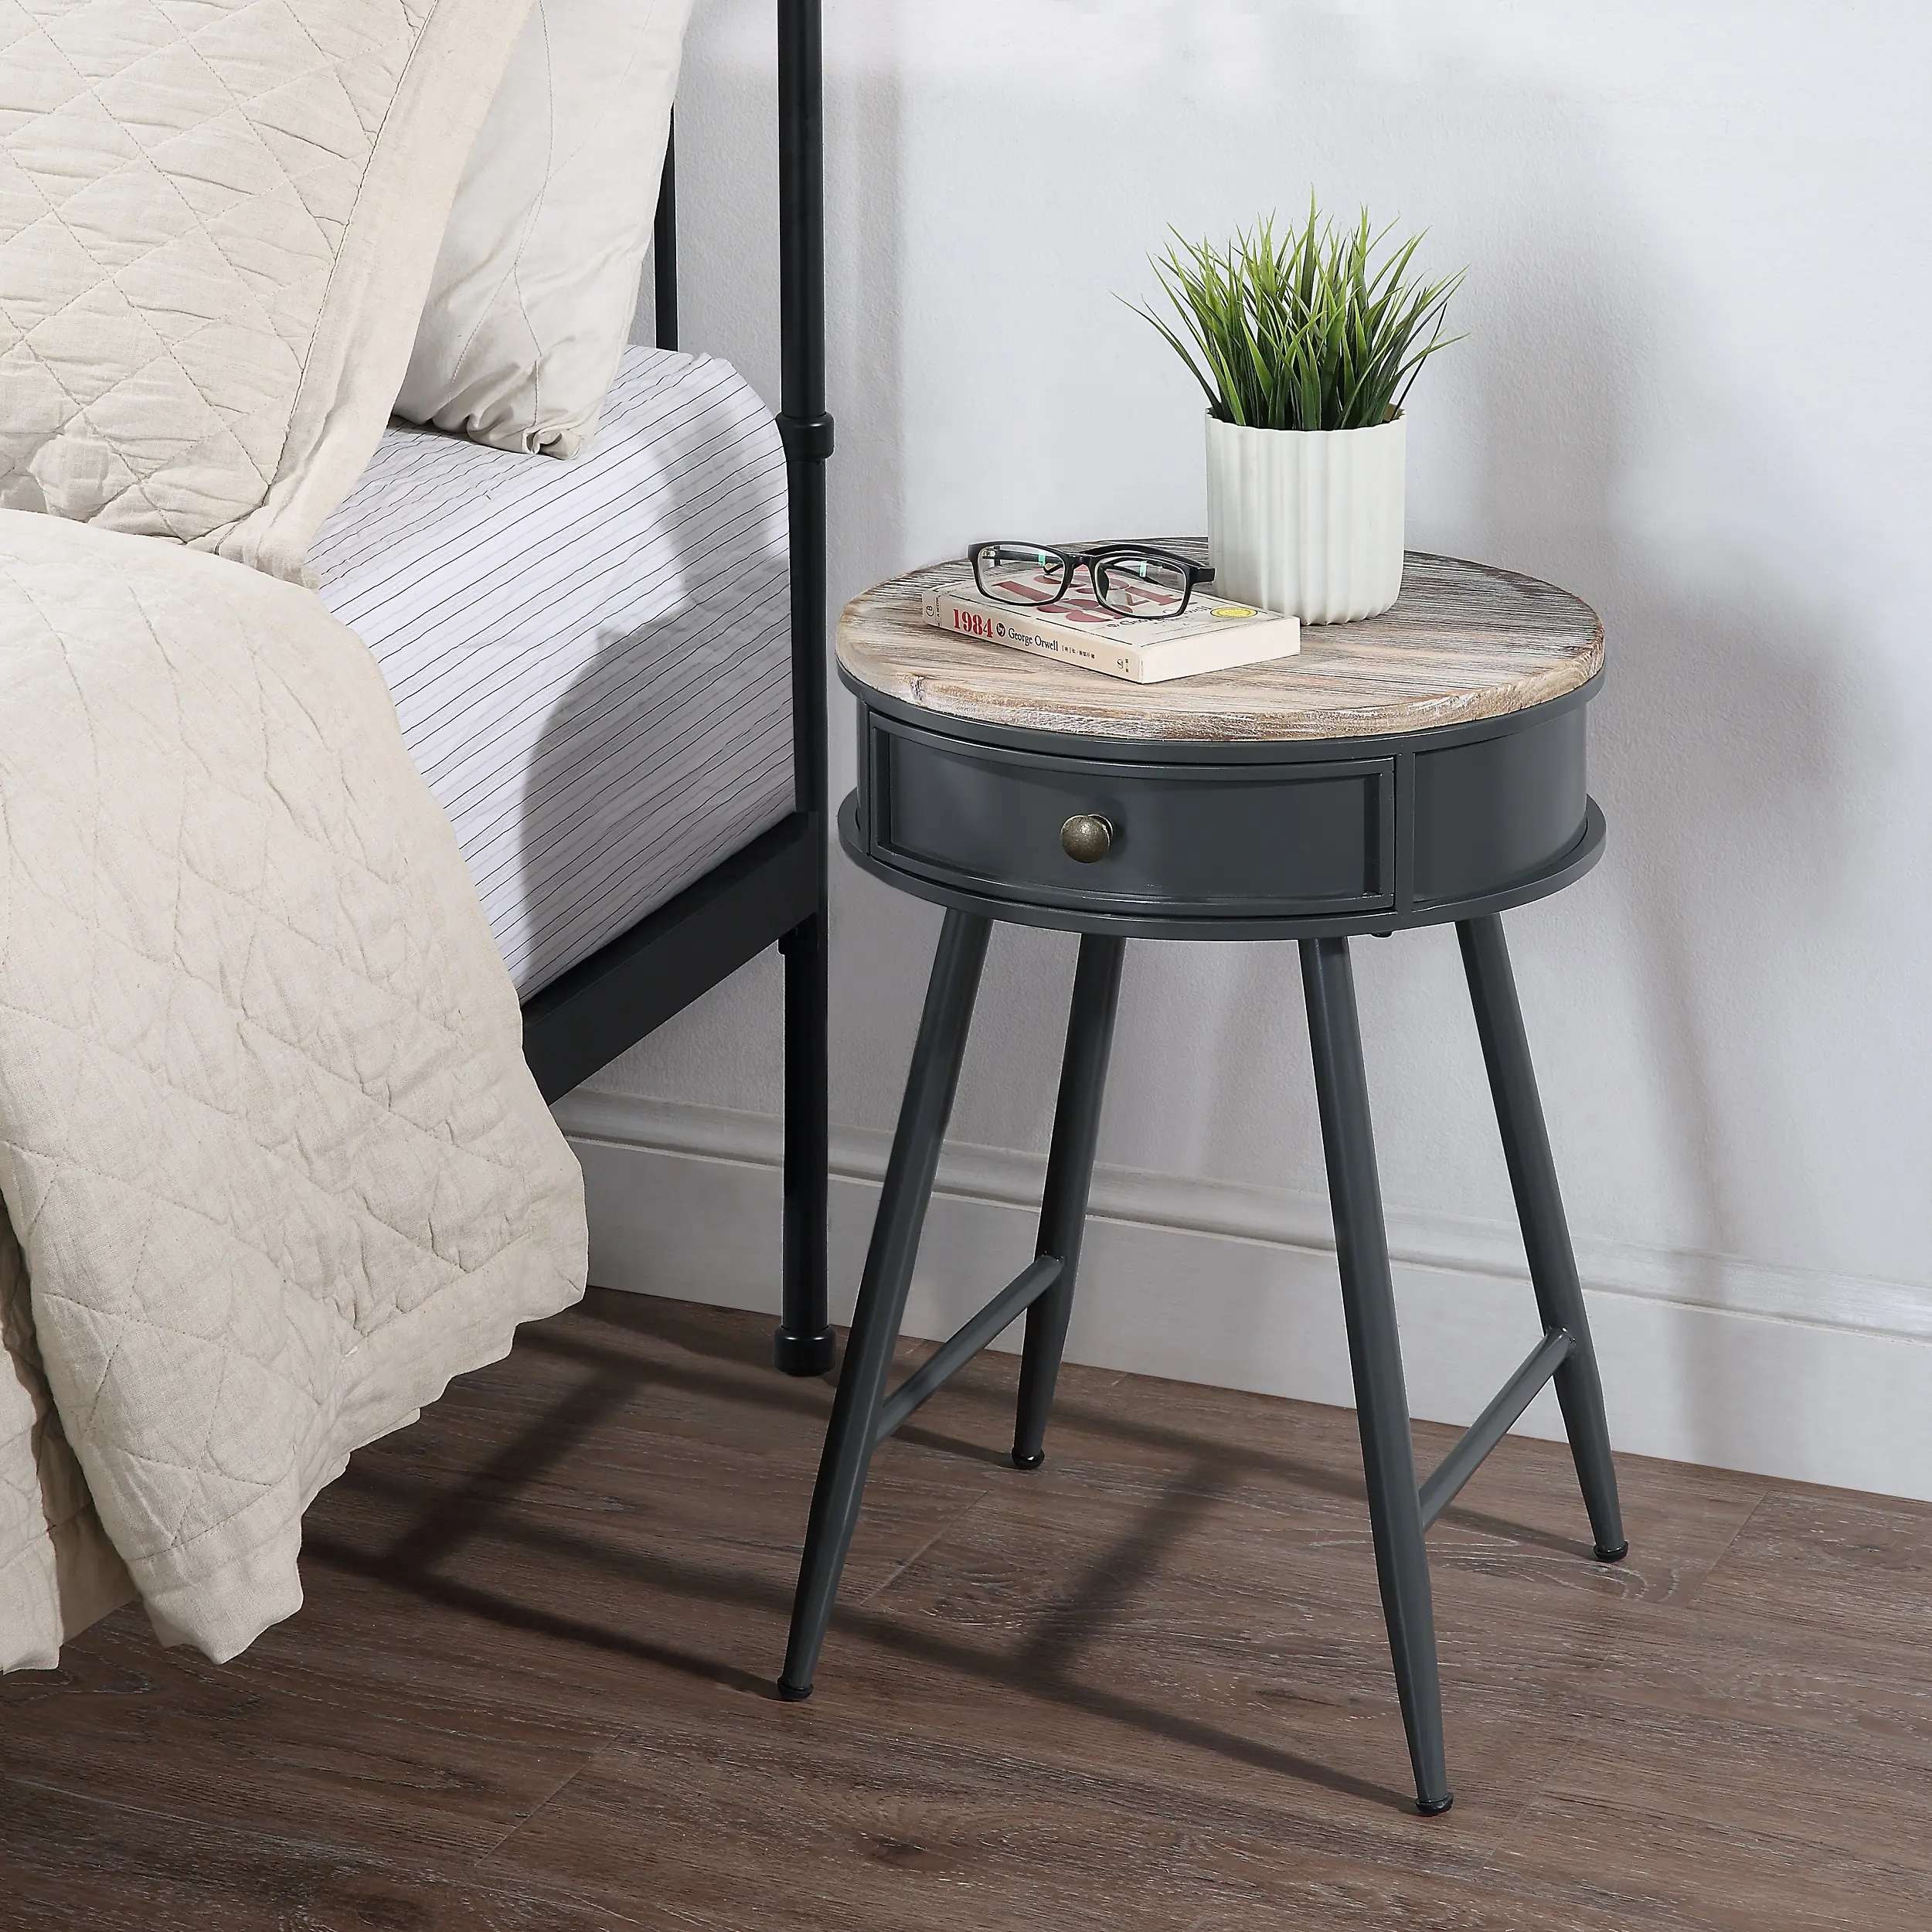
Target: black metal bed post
<point>803,1345</point>
<point>664,245</point>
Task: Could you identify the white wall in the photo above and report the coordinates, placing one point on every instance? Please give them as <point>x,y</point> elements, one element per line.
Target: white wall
<point>1693,391</point>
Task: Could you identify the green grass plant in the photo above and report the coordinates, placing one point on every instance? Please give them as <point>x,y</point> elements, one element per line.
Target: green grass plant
<point>1321,327</point>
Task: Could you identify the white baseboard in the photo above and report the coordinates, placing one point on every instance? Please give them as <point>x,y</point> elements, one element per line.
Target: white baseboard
<point>1705,1359</point>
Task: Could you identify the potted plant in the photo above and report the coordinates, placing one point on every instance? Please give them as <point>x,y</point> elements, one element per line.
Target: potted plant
<point>1305,346</point>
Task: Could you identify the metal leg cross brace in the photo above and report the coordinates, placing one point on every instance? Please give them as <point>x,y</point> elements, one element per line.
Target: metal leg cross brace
<point>1400,1513</point>
<point>863,1415</point>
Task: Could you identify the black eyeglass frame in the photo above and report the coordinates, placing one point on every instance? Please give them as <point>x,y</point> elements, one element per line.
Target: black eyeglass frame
<point>1070,561</point>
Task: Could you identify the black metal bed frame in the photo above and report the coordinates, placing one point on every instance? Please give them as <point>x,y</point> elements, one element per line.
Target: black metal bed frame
<point>773,891</point>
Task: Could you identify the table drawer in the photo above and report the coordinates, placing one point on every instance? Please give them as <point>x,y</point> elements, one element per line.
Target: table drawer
<point>1245,840</point>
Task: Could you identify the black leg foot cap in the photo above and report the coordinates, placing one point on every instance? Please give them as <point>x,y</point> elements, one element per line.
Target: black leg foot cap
<point>1433,1806</point>
<point>1616,1555</point>
<point>1028,1462</point>
<point>804,1355</point>
<point>791,1694</point>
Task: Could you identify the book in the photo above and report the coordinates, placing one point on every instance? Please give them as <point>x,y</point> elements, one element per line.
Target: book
<point>1213,634</point>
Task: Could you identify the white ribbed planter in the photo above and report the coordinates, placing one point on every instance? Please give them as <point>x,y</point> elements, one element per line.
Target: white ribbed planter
<point>1306,522</point>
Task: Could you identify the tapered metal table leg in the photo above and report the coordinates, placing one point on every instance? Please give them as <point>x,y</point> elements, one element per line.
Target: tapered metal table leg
<point>1375,1353</point>
<point>930,1088</point>
<point>1069,1175</point>
<point>1545,1230</point>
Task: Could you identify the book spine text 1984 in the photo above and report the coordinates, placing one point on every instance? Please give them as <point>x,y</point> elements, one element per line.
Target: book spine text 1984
<point>1018,631</point>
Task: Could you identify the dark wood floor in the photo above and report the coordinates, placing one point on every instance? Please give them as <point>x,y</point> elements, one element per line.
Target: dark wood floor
<point>1145,1687</point>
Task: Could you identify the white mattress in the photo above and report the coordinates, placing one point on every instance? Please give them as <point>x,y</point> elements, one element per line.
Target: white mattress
<point>590,659</point>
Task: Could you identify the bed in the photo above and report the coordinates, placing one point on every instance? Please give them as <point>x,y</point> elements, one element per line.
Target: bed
<point>283,996</point>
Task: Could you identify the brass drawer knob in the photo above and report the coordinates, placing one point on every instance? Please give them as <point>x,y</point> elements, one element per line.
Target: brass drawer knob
<point>1086,837</point>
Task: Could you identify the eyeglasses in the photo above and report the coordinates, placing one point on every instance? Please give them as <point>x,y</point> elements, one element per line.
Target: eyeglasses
<point>1130,579</point>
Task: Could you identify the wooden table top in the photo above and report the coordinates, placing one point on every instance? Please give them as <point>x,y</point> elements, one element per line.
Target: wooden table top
<point>1464,641</point>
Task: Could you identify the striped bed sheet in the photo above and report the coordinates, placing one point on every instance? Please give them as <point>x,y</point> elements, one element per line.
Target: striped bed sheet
<point>590,660</point>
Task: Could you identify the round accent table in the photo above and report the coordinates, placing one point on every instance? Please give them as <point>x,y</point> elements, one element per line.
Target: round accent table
<point>1426,765</point>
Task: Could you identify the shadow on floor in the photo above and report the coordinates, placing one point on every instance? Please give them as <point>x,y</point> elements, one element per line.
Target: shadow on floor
<point>473,1509</point>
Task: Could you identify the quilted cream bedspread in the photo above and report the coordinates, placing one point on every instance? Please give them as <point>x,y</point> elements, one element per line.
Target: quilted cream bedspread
<point>274,1167</point>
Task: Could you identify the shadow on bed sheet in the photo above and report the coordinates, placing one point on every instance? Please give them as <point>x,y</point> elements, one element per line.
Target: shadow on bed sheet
<point>669,749</point>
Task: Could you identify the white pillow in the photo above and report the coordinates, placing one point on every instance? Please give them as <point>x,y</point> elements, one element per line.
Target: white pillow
<point>531,303</point>
<point>216,223</point>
